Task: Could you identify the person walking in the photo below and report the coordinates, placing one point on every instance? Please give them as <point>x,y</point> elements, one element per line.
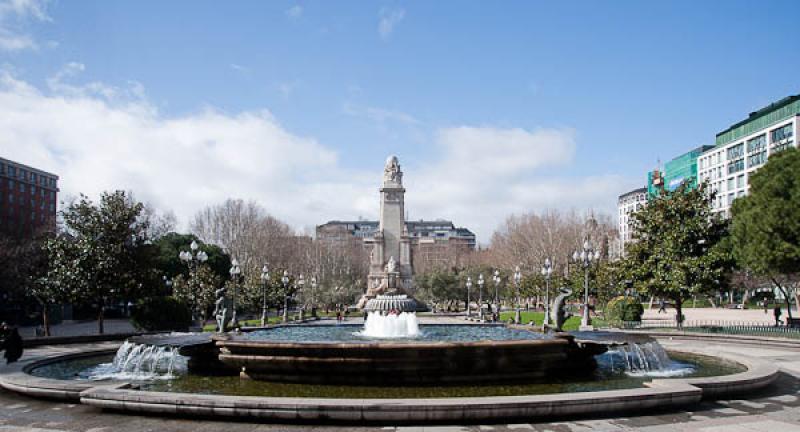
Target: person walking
<point>13,346</point>
<point>663,307</point>
<point>777,312</point>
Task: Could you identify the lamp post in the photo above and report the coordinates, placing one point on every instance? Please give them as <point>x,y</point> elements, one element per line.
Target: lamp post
<point>314,296</point>
<point>469,287</point>
<point>585,258</point>
<point>264,288</point>
<point>496,278</point>
<point>480,297</point>
<point>301,283</point>
<point>285,282</point>
<point>235,272</point>
<point>547,270</point>
<point>517,280</point>
<point>193,260</point>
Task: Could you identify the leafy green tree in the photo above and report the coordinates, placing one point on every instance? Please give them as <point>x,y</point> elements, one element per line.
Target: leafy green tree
<point>679,248</point>
<point>765,231</point>
<point>171,244</point>
<point>104,253</point>
<point>199,294</point>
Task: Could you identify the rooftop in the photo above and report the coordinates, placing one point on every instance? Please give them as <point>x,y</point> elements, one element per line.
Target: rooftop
<point>760,119</point>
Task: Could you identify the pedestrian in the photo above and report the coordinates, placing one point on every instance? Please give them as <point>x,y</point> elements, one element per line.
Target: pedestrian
<point>765,306</point>
<point>13,346</point>
<point>663,307</point>
<point>3,335</point>
<point>777,312</point>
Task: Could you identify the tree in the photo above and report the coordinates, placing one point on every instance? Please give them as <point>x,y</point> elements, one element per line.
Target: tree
<point>171,244</point>
<point>104,253</point>
<point>679,248</point>
<point>199,294</point>
<point>765,231</point>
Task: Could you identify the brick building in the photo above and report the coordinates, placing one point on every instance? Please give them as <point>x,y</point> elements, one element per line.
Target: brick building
<point>27,199</point>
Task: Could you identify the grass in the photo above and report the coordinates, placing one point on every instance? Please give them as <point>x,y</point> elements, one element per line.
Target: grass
<point>248,323</point>
<point>538,317</point>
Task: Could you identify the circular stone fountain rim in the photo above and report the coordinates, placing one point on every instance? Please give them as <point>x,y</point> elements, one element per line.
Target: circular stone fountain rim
<point>661,393</point>
<point>232,339</point>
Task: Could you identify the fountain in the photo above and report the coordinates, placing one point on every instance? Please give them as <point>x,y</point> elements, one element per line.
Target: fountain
<point>139,362</point>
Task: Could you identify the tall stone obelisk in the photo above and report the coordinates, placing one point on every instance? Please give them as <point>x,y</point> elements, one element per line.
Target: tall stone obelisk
<point>390,269</point>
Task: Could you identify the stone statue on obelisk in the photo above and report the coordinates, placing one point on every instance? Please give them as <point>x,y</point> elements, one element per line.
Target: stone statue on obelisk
<point>390,270</point>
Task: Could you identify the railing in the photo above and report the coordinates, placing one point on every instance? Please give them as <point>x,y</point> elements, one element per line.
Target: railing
<point>757,328</point>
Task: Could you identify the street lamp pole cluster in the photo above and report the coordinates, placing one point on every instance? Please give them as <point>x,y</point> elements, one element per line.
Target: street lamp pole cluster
<point>469,287</point>
<point>517,280</point>
<point>496,278</point>
<point>585,258</point>
<point>193,260</point>
<point>235,271</point>
<point>265,287</point>
<point>480,296</point>
<point>285,282</point>
<point>547,270</point>
<point>301,283</point>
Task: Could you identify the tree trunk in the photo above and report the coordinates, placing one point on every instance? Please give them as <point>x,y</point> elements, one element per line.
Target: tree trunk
<point>679,312</point>
<point>786,298</point>
<point>100,316</point>
<point>45,320</point>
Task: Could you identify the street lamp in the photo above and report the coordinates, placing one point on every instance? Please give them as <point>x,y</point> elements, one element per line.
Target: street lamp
<point>547,270</point>
<point>469,287</point>
<point>265,282</point>
<point>301,282</point>
<point>235,271</point>
<point>314,296</point>
<point>517,280</point>
<point>193,260</point>
<point>585,258</point>
<point>285,282</point>
<point>496,278</point>
<point>480,297</point>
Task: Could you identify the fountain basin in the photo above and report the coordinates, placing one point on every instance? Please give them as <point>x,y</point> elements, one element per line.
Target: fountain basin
<point>407,362</point>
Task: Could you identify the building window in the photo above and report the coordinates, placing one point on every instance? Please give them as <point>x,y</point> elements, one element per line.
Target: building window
<point>12,171</point>
<point>736,166</point>
<point>730,184</point>
<point>2,168</point>
<point>757,159</point>
<point>23,174</point>
<point>736,151</point>
<point>740,181</point>
<point>757,143</point>
<point>22,187</point>
<point>781,133</point>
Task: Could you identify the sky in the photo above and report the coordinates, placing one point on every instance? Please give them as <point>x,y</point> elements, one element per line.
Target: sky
<point>493,108</point>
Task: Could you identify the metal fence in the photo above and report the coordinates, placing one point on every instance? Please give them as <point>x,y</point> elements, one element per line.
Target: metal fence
<point>758,328</point>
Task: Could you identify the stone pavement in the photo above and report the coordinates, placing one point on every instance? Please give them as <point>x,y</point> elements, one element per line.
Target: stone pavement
<point>774,410</point>
<point>716,314</point>
<point>81,328</point>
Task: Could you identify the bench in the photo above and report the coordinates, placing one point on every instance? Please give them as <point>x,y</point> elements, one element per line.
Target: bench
<point>793,322</point>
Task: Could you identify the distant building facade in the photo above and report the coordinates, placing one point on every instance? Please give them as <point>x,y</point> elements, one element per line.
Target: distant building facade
<point>431,241</point>
<point>426,231</point>
<point>28,198</point>
<point>745,146</point>
<point>628,204</point>
<point>681,169</point>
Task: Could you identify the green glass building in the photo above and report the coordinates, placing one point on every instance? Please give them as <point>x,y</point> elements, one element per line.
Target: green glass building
<point>680,169</point>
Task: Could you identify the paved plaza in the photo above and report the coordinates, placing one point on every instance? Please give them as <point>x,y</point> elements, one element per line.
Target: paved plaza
<point>776,409</point>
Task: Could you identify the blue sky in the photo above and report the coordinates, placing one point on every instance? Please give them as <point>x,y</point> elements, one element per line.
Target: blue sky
<point>596,92</point>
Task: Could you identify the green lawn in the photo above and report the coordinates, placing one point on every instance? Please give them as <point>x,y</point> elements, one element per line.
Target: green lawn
<point>247,323</point>
<point>538,317</point>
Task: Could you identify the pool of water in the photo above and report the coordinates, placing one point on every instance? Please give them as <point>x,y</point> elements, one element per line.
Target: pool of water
<point>605,377</point>
<point>427,333</point>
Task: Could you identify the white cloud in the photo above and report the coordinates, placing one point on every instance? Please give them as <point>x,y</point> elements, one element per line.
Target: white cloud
<point>239,68</point>
<point>13,15</point>
<point>480,175</point>
<point>99,137</point>
<point>379,115</point>
<point>294,12</point>
<point>389,18</point>
<point>182,163</point>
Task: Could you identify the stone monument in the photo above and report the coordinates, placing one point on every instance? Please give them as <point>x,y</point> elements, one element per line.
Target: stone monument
<point>390,269</point>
